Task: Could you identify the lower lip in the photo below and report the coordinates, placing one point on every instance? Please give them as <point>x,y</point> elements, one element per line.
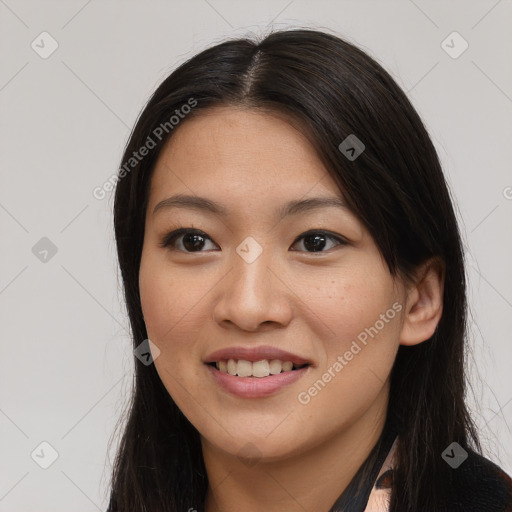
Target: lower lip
<point>255,387</point>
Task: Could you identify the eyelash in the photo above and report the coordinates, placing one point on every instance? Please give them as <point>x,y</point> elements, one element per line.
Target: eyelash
<point>173,235</point>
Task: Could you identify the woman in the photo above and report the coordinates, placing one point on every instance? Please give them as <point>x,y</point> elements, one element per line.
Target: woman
<point>295,285</point>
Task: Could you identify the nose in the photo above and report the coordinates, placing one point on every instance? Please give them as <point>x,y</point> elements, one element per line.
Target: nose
<point>255,295</point>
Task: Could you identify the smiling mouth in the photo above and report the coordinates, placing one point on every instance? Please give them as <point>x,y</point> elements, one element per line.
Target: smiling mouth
<point>258,369</point>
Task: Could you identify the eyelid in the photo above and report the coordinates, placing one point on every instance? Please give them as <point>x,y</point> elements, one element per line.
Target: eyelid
<point>326,233</point>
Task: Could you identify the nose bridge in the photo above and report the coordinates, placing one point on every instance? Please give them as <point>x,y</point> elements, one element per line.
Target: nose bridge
<point>252,295</point>
<point>251,262</point>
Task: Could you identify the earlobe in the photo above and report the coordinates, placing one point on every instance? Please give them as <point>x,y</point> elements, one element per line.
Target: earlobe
<point>424,303</point>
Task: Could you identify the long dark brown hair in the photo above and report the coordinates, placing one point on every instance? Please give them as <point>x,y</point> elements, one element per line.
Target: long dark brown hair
<point>332,89</point>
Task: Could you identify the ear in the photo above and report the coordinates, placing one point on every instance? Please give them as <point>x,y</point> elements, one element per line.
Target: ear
<point>424,303</point>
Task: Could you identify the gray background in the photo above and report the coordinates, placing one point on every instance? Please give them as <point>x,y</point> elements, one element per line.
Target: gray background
<point>66,362</point>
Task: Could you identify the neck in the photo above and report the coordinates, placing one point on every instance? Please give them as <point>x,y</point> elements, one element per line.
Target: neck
<point>310,481</point>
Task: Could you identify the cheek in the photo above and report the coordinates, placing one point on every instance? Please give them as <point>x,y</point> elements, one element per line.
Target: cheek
<point>354,299</point>
<point>359,313</point>
<point>171,305</point>
<point>169,300</point>
<point>174,305</point>
<point>358,358</point>
<point>158,306</point>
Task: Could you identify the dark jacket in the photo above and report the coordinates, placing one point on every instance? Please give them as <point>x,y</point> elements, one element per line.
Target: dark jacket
<point>478,484</point>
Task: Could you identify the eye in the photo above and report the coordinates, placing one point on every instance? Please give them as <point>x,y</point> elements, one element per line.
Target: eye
<point>315,240</point>
<point>193,240</point>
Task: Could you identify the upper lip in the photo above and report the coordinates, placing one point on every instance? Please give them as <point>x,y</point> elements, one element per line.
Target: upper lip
<point>255,354</point>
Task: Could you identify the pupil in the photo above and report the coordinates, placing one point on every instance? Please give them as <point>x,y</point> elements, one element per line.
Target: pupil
<point>194,242</point>
<point>316,239</point>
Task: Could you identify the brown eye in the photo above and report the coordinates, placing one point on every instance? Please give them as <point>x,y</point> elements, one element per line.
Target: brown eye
<point>192,240</point>
<point>316,241</point>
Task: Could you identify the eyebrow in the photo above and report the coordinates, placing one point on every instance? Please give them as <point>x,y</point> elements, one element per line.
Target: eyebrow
<point>291,208</point>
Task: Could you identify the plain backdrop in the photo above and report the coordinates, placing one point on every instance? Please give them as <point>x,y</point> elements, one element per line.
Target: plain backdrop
<point>66,357</point>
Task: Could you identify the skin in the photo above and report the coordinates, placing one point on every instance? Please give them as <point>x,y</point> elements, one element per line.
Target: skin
<point>313,304</point>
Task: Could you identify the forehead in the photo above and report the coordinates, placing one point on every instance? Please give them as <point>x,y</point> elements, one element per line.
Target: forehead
<point>228,150</point>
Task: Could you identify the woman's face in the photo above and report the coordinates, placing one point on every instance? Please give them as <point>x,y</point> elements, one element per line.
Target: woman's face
<point>252,279</point>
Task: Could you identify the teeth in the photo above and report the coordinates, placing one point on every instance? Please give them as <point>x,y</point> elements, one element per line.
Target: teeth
<point>244,368</point>
<point>275,366</point>
<point>232,367</point>
<point>287,366</point>
<point>262,368</point>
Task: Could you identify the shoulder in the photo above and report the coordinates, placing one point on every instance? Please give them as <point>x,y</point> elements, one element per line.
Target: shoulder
<point>479,485</point>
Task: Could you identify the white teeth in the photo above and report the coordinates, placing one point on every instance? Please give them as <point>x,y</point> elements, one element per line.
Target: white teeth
<point>244,368</point>
<point>275,366</point>
<point>287,366</point>
<point>262,368</point>
<point>232,367</point>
